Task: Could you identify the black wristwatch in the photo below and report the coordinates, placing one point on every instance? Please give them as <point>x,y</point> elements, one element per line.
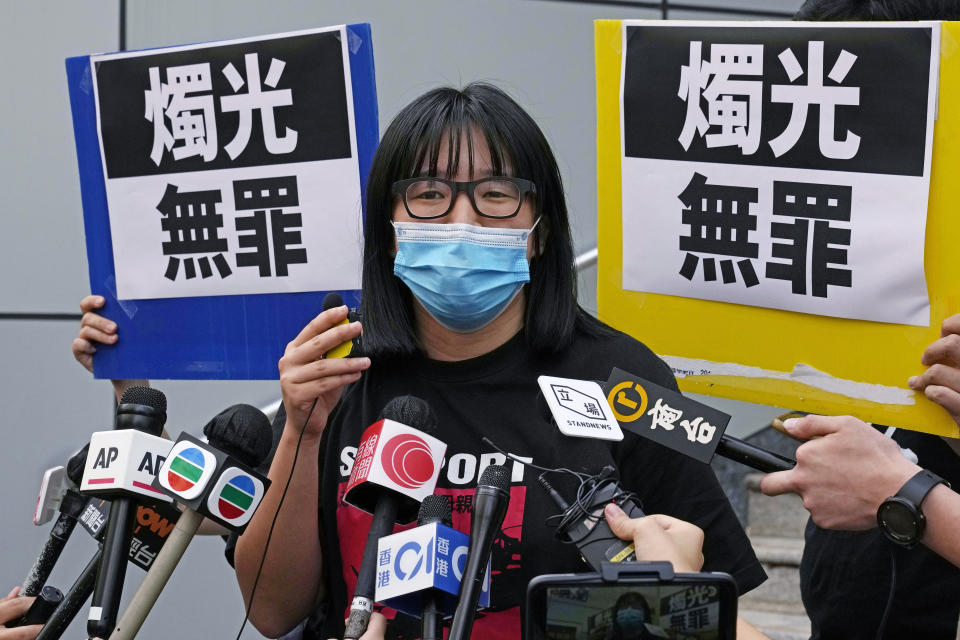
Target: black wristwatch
<point>900,517</point>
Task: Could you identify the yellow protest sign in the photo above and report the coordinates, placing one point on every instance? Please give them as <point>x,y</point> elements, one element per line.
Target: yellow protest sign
<point>797,338</point>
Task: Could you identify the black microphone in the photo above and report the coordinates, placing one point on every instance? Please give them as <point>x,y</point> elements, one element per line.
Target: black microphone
<point>352,348</point>
<point>143,409</point>
<point>71,507</point>
<point>387,501</point>
<point>223,486</point>
<point>489,508</point>
<point>433,509</point>
<point>584,524</point>
<point>38,613</point>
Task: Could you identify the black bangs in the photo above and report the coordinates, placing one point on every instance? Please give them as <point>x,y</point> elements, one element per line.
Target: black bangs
<point>411,146</point>
<point>453,122</point>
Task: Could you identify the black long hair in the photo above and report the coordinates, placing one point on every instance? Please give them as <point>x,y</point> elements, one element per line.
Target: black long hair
<point>412,144</point>
<point>878,10</point>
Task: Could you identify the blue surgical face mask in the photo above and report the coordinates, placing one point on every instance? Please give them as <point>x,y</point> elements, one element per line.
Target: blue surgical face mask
<point>631,620</point>
<point>463,275</point>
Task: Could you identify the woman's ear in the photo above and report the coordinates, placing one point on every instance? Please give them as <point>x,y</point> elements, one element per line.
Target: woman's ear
<point>540,235</point>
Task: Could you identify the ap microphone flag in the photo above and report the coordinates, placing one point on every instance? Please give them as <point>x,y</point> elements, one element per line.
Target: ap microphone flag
<point>399,458</point>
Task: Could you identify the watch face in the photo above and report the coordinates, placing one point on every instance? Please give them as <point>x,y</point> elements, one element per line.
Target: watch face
<point>899,520</point>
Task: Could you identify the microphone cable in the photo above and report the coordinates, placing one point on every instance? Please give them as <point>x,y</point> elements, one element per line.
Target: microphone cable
<point>273,523</point>
<point>586,504</point>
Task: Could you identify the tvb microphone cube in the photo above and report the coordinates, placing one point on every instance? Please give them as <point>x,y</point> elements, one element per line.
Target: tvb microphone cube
<point>211,482</point>
<point>431,556</point>
<point>124,462</point>
<point>399,458</point>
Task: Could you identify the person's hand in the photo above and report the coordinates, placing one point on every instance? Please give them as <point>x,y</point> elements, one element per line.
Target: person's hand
<point>844,475</point>
<point>941,382</point>
<point>94,329</point>
<point>13,608</point>
<point>659,538</point>
<point>376,628</point>
<point>305,376</point>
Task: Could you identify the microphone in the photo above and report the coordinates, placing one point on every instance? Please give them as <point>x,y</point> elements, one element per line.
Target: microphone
<point>489,508</point>
<point>433,510</point>
<point>215,480</point>
<point>141,414</point>
<point>584,524</point>
<point>71,507</point>
<point>351,348</point>
<point>653,412</point>
<point>395,468</point>
<point>419,570</point>
<point>38,613</point>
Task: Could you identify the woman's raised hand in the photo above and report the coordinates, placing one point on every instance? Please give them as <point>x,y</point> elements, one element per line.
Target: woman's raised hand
<point>305,375</point>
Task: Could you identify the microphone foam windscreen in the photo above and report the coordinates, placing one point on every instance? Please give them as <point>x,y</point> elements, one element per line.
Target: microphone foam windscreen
<point>331,300</point>
<point>76,463</point>
<point>145,396</point>
<point>242,431</point>
<point>411,411</point>
<point>435,508</point>
<point>496,475</point>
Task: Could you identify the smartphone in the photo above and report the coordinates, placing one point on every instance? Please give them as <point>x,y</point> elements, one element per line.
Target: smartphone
<point>631,600</point>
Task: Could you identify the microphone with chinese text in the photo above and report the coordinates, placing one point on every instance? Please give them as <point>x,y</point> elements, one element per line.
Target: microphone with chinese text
<point>71,505</point>
<point>433,510</point>
<point>152,524</point>
<point>141,414</point>
<point>215,480</point>
<point>419,570</point>
<point>352,348</point>
<point>490,503</point>
<point>395,468</point>
<point>653,412</point>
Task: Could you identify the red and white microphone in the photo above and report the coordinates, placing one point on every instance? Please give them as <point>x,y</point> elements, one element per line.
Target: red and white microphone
<point>395,468</point>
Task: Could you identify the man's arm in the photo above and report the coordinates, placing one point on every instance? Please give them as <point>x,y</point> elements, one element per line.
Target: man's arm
<point>845,474</point>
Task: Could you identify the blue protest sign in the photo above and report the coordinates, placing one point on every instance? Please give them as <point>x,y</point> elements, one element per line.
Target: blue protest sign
<point>222,187</point>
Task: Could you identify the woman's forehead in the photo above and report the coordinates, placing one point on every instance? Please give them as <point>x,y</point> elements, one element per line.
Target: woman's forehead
<point>470,156</point>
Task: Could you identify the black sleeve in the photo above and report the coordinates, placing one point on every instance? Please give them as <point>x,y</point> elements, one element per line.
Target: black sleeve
<point>675,485</point>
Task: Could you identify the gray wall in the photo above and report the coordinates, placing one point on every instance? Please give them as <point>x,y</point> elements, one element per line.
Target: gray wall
<point>540,51</point>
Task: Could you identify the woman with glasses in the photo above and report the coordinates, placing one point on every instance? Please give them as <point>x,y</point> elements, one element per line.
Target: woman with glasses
<point>469,295</point>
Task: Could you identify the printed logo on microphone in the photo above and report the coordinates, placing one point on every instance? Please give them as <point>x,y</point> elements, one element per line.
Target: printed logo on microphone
<point>235,497</point>
<point>407,461</point>
<point>187,470</point>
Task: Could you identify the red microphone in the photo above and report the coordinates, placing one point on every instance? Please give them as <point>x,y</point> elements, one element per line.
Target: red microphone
<point>396,467</point>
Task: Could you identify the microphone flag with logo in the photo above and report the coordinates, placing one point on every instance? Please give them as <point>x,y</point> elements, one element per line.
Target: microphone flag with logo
<point>219,485</point>
<point>689,427</point>
<point>214,480</point>
<point>398,458</point>
<point>120,465</point>
<point>395,468</point>
<point>429,557</point>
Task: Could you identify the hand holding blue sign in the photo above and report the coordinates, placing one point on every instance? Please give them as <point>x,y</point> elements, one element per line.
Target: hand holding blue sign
<point>94,330</point>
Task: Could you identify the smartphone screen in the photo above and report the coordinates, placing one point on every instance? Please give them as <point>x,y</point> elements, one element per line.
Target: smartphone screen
<point>633,611</point>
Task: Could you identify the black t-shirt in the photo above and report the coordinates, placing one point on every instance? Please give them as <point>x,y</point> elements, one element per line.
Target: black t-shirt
<point>845,576</point>
<point>495,395</point>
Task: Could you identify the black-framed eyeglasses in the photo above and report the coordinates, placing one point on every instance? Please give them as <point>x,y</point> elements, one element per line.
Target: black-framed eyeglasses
<point>493,197</point>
